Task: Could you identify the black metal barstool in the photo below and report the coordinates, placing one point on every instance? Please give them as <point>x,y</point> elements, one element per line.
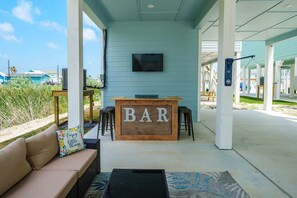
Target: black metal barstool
<point>185,112</point>
<point>106,117</point>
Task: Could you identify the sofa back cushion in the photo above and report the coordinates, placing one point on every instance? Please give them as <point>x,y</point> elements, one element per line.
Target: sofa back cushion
<point>13,164</point>
<point>43,147</point>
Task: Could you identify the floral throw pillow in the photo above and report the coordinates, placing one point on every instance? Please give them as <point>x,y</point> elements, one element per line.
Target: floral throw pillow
<point>70,141</point>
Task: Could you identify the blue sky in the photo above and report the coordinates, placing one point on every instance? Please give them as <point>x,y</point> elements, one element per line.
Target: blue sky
<point>33,36</point>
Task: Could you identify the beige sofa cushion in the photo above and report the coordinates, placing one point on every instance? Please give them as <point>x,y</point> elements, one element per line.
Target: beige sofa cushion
<point>45,184</point>
<point>79,162</point>
<point>43,147</point>
<point>13,164</point>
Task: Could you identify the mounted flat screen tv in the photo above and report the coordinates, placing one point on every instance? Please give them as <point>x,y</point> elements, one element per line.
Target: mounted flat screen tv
<point>147,62</point>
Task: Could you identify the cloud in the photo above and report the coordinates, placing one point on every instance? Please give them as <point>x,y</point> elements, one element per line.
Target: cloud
<point>89,34</point>
<point>52,45</point>
<point>53,25</point>
<point>7,32</point>
<point>37,11</point>
<point>25,10</point>
<point>88,22</point>
<point>10,38</point>
<point>6,27</point>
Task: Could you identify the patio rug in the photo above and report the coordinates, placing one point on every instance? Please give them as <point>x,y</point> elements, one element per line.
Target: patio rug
<point>185,185</point>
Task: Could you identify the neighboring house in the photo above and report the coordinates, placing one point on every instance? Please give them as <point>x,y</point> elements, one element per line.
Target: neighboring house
<point>53,76</point>
<point>37,76</point>
<point>3,78</point>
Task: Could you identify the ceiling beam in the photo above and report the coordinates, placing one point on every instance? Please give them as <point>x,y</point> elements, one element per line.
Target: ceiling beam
<point>95,13</point>
<point>210,62</point>
<point>208,9</point>
<point>282,37</point>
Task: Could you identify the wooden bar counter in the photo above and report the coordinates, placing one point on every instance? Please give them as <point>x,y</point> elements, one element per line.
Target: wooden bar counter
<point>146,119</point>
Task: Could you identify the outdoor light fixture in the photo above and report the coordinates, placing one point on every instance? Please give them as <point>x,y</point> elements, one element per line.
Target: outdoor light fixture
<point>150,6</point>
<point>228,68</point>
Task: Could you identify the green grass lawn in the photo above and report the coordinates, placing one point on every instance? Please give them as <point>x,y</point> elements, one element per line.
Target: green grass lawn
<point>252,100</point>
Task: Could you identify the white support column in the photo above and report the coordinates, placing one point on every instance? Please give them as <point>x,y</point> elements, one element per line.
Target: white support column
<point>268,79</point>
<point>75,62</point>
<point>211,77</point>
<point>293,78</point>
<point>277,80</point>
<point>258,73</point>
<point>236,78</point>
<point>102,64</point>
<point>199,75</point>
<point>203,79</point>
<point>244,81</point>
<point>249,81</point>
<point>224,113</point>
<point>287,80</point>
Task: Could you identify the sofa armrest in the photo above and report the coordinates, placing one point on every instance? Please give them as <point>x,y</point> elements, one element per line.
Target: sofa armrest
<point>94,144</point>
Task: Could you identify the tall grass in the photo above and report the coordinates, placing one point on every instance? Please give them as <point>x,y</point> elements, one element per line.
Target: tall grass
<point>22,101</point>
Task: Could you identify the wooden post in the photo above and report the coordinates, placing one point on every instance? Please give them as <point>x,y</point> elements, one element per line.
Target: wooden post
<point>56,109</point>
<point>91,108</point>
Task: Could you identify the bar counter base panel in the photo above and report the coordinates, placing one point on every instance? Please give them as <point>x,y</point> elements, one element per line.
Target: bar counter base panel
<point>159,119</point>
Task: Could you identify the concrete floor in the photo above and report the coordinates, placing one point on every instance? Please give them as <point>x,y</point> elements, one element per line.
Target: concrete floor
<point>263,160</point>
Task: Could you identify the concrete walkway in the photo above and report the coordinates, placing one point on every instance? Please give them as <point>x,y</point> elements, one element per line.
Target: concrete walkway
<point>263,160</point>
<point>267,141</point>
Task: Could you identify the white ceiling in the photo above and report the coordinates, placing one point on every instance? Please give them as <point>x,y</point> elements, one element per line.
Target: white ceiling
<point>257,20</point>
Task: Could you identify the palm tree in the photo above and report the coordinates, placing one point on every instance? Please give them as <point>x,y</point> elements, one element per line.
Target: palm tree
<point>13,70</point>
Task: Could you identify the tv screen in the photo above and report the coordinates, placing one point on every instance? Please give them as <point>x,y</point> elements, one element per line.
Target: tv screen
<point>147,62</point>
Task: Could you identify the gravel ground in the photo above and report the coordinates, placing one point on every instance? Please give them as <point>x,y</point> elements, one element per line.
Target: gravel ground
<point>285,109</point>
<point>18,130</point>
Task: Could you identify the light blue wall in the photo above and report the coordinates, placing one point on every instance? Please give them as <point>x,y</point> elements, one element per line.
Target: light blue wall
<point>256,48</point>
<point>285,50</point>
<point>178,42</point>
<point>2,79</point>
<point>39,79</point>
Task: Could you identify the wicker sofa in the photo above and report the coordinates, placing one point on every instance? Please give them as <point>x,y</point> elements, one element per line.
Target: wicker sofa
<point>31,168</point>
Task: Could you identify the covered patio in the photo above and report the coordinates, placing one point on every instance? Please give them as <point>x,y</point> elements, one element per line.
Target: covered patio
<point>175,29</point>
<point>262,160</point>
<point>226,140</point>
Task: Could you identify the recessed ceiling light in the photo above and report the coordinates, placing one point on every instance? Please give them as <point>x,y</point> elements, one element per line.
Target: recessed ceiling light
<point>151,6</point>
<point>289,5</point>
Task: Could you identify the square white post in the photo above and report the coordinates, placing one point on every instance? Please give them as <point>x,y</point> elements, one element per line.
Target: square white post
<point>277,81</point>
<point>244,81</point>
<point>75,62</point>
<point>268,79</point>
<point>258,73</point>
<point>236,78</point>
<point>203,79</point>
<point>211,77</point>
<point>199,75</point>
<point>287,81</point>
<point>293,78</point>
<point>224,113</point>
<point>249,81</point>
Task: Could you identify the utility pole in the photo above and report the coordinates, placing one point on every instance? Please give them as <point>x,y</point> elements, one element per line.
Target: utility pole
<point>58,78</point>
<point>8,69</point>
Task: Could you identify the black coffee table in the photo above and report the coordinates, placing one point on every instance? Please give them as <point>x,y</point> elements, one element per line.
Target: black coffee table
<point>137,183</point>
